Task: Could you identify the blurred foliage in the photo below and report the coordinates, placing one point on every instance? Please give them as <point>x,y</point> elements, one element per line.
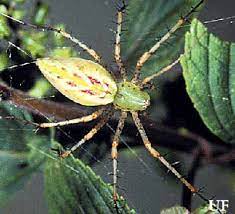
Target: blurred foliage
<point>41,88</point>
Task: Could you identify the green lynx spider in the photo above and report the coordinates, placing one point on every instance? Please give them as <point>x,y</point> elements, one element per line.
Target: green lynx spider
<point>125,96</point>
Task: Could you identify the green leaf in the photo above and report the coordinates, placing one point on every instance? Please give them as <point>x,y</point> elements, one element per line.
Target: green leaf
<point>147,22</point>
<point>205,210</point>
<point>34,42</point>
<point>72,187</point>
<point>208,68</point>
<point>175,210</point>
<point>41,13</point>
<point>182,210</point>
<point>18,14</point>
<point>17,161</point>
<point>41,88</point>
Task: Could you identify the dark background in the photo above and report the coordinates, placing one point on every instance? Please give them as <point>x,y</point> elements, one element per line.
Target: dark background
<point>147,190</point>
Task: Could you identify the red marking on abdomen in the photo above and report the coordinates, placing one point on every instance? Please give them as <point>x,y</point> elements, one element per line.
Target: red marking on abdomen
<point>94,81</point>
<point>88,92</point>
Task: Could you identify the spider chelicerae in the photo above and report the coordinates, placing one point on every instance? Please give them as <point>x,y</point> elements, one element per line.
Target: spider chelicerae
<point>91,84</point>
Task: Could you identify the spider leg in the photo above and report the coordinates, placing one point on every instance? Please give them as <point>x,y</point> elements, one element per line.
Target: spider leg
<point>114,153</point>
<point>117,49</point>
<point>89,135</point>
<point>90,51</point>
<point>158,73</point>
<point>150,52</point>
<point>141,61</point>
<point>21,50</point>
<point>20,65</point>
<point>83,119</point>
<point>157,155</point>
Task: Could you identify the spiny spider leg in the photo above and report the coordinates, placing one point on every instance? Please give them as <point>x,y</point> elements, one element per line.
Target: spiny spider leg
<point>90,51</point>
<point>157,45</point>
<point>158,73</point>
<point>89,135</point>
<point>20,65</point>
<point>117,51</point>
<point>21,50</point>
<point>83,119</point>
<point>18,48</point>
<point>157,155</point>
<point>114,153</point>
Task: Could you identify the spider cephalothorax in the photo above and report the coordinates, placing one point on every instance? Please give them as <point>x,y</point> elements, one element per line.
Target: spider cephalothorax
<point>89,83</point>
<point>130,97</point>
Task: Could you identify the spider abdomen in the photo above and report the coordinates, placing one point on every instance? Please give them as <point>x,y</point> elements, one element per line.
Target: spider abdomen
<point>130,97</point>
<point>83,81</point>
